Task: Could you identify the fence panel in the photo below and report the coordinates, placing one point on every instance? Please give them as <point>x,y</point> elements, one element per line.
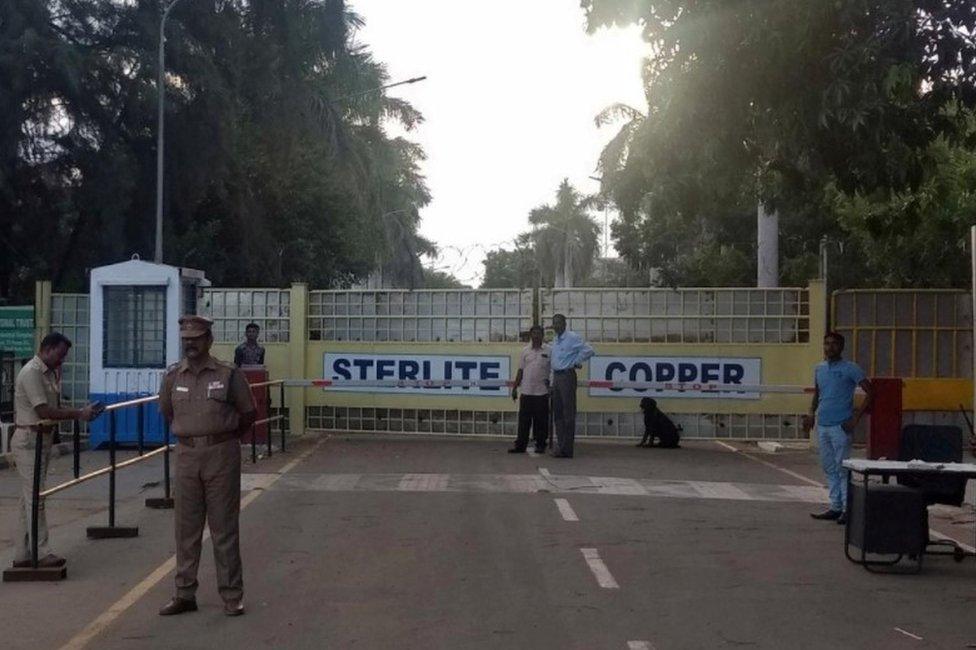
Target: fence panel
<point>908,333</point>
<point>682,315</point>
<point>232,310</point>
<point>427,316</point>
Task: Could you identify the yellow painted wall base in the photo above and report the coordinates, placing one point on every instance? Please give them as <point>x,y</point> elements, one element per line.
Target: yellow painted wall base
<point>937,394</point>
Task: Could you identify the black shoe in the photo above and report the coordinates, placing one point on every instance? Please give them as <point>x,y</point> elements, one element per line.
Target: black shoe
<point>827,515</point>
<point>842,520</point>
<point>516,450</point>
<point>178,606</point>
<point>233,608</point>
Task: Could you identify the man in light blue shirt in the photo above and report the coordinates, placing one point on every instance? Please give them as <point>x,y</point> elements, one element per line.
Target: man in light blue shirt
<point>569,351</point>
<point>836,418</point>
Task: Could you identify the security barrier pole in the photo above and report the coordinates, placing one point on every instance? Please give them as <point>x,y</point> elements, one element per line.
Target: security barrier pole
<point>140,428</point>
<point>267,426</point>
<point>35,573</point>
<point>35,495</point>
<point>281,412</point>
<point>110,531</point>
<point>76,446</point>
<point>165,502</point>
<point>254,445</point>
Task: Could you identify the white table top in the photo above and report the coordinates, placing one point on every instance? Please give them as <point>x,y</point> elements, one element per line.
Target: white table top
<point>863,466</point>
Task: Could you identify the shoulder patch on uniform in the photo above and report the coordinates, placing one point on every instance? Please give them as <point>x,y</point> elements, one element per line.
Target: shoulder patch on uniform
<point>173,367</point>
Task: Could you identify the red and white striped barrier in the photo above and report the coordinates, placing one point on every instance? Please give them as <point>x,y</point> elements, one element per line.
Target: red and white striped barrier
<point>339,384</point>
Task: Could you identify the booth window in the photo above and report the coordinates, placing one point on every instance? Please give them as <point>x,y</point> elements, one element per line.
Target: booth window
<point>135,327</point>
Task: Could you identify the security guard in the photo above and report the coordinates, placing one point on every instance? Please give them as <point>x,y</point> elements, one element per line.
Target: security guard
<point>209,405</point>
<point>37,406</point>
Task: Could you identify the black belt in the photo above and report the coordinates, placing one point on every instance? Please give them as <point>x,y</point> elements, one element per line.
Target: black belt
<point>564,370</point>
<point>206,441</point>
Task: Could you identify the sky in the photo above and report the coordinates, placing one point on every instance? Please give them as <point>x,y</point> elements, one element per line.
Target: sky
<point>511,92</point>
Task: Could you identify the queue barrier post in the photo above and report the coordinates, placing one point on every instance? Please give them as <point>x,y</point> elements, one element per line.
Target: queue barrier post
<point>112,531</point>
<point>164,502</point>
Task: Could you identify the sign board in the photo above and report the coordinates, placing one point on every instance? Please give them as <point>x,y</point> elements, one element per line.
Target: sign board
<point>347,366</point>
<point>17,330</point>
<point>690,371</point>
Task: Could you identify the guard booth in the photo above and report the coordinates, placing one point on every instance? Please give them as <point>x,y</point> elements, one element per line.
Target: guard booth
<point>135,308</point>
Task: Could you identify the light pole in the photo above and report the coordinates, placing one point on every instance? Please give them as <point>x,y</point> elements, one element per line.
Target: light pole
<point>161,100</point>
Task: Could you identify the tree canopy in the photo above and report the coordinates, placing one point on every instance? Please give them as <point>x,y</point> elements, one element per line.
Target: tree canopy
<point>840,115</point>
<point>278,166</point>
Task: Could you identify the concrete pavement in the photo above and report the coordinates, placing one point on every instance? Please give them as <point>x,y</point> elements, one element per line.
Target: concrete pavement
<point>403,542</point>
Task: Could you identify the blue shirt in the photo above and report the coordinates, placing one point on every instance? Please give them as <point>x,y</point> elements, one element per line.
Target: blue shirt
<point>836,381</point>
<point>569,350</point>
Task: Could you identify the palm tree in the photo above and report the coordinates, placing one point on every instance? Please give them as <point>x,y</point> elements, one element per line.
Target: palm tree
<point>565,237</point>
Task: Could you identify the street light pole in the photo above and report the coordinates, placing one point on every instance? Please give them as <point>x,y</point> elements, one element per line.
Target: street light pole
<point>161,100</point>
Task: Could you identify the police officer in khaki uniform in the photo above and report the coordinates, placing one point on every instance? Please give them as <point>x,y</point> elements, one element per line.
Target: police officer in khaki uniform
<point>209,405</point>
<point>37,405</point>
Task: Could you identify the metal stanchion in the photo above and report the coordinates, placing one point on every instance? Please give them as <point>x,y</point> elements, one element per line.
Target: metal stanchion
<point>281,412</point>
<point>140,427</point>
<point>76,446</point>
<point>254,445</point>
<point>165,502</point>
<point>35,495</point>
<point>35,573</point>
<point>104,532</point>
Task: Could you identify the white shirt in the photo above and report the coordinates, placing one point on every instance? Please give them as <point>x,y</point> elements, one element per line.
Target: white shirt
<point>534,364</point>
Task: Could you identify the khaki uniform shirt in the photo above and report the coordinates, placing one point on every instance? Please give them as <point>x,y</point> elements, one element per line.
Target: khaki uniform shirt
<point>36,384</point>
<point>534,364</point>
<point>206,403</point>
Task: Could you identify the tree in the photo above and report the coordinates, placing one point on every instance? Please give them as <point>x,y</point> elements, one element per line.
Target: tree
<point>782,103</point>
<point>278,166</point>
<point>565,238</point>
<point>434,279</point>
<point>506,269</point>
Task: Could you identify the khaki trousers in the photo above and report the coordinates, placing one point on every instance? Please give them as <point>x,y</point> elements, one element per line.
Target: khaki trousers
<point>22,444</point>
<point>208,488</point>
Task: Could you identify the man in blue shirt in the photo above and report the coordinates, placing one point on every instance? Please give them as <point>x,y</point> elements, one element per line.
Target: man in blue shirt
<point>836,418</point>
<point>569,351</point>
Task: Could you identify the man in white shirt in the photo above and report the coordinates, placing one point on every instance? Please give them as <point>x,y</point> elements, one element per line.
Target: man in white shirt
<point>533,378</point>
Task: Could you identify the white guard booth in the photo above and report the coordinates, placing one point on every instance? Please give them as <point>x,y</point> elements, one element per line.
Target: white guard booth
<point>135,308</point>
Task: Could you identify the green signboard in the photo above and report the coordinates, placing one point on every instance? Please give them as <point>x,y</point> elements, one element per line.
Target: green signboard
<point>17,330</point>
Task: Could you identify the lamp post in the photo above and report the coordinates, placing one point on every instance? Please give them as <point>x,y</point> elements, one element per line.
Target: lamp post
<point>161,100</point>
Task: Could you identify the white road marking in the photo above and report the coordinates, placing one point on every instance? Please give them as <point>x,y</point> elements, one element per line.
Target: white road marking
<point>788,472</point>
<point>423,482</point>
<point>714,490</point>
<point>118,608</point>
<point>566,510</point>
<point>639,645</point>
<point>599,569</point>
<point>934,533</point>
<point>545,472</point>
<point>908,634</point>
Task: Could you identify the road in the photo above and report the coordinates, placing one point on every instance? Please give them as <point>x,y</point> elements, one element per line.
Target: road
<point>409,542</point>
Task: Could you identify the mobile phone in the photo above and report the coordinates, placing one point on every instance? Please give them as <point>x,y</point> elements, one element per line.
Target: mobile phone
<point>97,408</point>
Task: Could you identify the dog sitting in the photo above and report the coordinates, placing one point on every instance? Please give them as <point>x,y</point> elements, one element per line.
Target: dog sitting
<point>658,425</point>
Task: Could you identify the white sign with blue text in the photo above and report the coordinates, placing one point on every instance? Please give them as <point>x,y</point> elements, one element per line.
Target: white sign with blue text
<point>351,367</point>
<point>675,373</point>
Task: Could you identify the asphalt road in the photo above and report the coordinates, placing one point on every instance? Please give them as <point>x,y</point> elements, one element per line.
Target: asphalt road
<point>370,542</point>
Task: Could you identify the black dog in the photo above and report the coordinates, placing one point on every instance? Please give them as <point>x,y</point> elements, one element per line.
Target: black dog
<point>658,425</point>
